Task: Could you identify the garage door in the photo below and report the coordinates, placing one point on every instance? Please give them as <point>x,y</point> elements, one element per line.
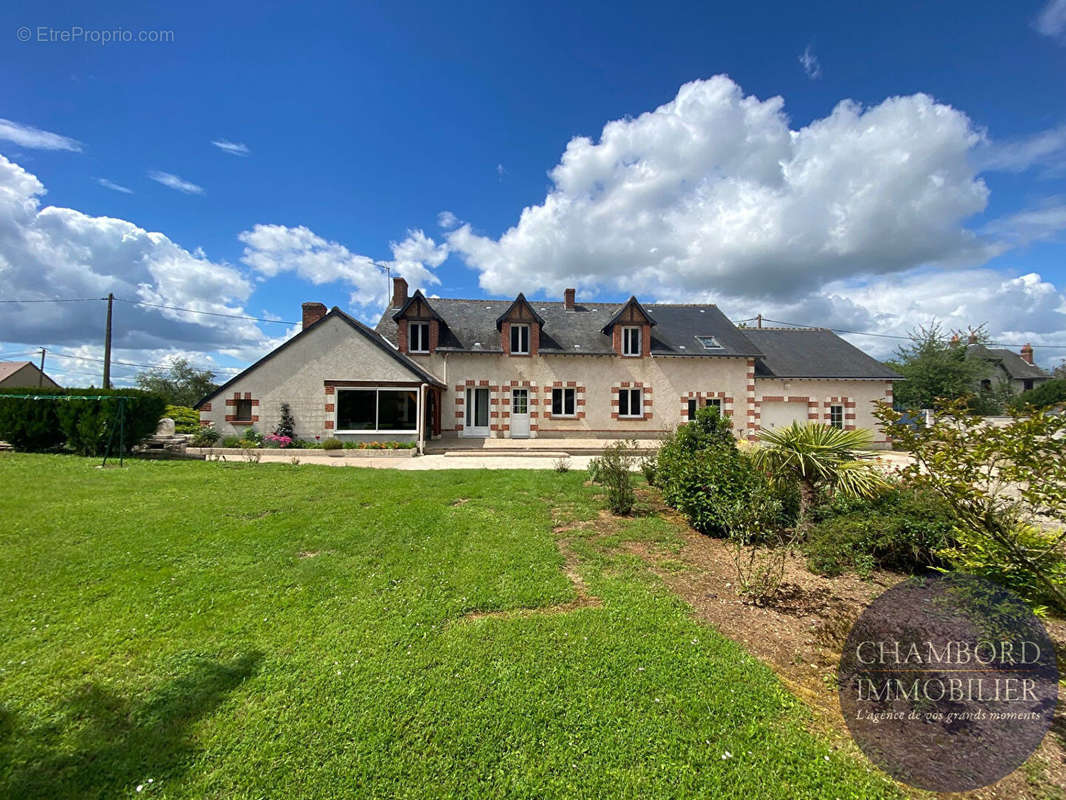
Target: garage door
<point>778,414</point>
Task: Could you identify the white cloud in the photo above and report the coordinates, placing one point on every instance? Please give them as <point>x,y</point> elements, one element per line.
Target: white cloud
<point>1015,308</point>
<point>1052,20</point>
<point>1018,155</point>
<point>714,191</point>
<point>810,63</point>
<point>35,138</point>
<point>113,186</point>
<point>174,182</point>
<point>273,249</point>
<point>48,252</point>
<point>233,148</point>
<point>1031,225</point>
<point>447,220</point>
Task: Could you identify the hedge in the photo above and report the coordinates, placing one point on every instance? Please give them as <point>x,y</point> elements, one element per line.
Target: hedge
<point>84,426</point>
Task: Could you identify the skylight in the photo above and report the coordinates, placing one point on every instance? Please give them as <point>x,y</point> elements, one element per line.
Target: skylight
<point>709,342</point>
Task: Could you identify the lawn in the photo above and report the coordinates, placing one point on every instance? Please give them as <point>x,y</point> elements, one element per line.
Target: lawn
<point>246,631</point>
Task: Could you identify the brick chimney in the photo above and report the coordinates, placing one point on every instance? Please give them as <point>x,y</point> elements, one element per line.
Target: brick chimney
<point>973,338</point>
<point>313,312</point>
<point>399,292</point>
<point>568,299</point>
<point>1027,353</point>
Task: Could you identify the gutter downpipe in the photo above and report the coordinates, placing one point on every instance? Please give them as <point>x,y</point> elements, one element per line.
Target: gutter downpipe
<point>422,418</point>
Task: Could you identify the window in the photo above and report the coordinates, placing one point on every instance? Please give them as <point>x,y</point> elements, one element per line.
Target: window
<point>708,343</point>
<point>715,402</point>
<point>418,337</point>
<point>377,410</point>
<point>631,341</point>
<point>563,402</point>
<point>1027,385</point>
<point>629,403</point>
<point>243,411</point>
<point>519,339</point>
<point>836,416</point>
<point>986,385</point>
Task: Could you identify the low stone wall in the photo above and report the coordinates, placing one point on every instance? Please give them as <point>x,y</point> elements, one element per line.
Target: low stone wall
<point>409,452</point>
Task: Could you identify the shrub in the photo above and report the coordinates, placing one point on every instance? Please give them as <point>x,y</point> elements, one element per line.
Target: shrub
<point>275,440</point>
<point>85,426</point>
<point>614,475</point>
<point>649,464</point>
<point>703,474</point>
<point>759,545</point>
<point>1046,395</point>
<point>595,470</point>
<point>231,441</point>
<point>206,436</point>
<point>332,444</point>
<point>253,436</point>
<point>905,529</point>
<point>186,420</point>
<point>561,465</point>
<point>286,425</point>
<point>989,558</point>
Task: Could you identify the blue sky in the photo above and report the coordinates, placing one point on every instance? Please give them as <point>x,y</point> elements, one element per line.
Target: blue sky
<point>349,129</point>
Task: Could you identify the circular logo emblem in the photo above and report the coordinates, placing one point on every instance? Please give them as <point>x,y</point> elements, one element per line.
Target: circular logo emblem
<point>948,683</point>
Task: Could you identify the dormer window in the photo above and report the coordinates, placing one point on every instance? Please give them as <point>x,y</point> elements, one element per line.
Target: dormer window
<point>519,340</point>
<point>418,337</point>
<point>709,343</point>
<point>631,342</point>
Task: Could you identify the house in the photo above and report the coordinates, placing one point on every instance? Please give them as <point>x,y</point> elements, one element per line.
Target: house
<point>18,374</point>
<point>435,367</point>
<point>1015,370</point>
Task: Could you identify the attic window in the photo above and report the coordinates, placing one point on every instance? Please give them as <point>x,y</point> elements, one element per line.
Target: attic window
<point>709,342</point>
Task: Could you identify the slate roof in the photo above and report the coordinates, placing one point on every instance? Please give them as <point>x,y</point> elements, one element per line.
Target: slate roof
<point>812,353</point>
<point>1014,365</point>
<point>469,323</point>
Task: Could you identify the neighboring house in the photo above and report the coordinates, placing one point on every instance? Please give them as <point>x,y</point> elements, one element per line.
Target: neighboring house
<point>1016,370</point>
<point>521,369</point>
<point>19,374</point>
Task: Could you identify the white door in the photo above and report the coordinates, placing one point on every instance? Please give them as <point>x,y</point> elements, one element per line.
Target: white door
<point>520,413</point>
<point>780,415</point>
<point>477,412</point>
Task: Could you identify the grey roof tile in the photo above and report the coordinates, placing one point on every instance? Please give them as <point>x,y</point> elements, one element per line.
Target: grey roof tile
<point>812,353</point>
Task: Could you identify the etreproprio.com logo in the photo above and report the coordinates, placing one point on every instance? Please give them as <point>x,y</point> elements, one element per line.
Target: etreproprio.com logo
<point>948,683</point>
<point>77,34</point>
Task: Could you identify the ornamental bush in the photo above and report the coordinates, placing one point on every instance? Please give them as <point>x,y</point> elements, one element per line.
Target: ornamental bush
<point>704,475</point>
<point>84,426</point>
<point>906,529</point>
<point>186,420</point>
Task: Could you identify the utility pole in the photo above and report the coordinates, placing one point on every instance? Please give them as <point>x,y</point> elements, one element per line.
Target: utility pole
<point>107,343</point>
<point>40,377</point>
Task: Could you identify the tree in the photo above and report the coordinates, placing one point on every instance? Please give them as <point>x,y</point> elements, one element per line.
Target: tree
<point>816,456</point>
<point>180,383</point>
<point>937,367</point>
<point>1059,371</point>
<point>1005,486</point>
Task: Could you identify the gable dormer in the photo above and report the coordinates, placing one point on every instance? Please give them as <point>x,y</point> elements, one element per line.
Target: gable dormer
<point>630,330</point>
<point>418,326</point>
<point>519,328</point>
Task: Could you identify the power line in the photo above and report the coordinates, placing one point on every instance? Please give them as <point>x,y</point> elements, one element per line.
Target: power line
<point>207,313</point>
<point>60,300</point>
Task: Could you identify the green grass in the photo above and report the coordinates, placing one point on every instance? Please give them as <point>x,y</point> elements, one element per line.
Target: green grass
<point>168,621</point>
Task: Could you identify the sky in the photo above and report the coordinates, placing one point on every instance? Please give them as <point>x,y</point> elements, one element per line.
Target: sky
<point>865,168</point>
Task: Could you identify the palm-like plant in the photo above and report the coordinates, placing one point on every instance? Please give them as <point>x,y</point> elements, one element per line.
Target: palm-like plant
<point>819,455</point>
